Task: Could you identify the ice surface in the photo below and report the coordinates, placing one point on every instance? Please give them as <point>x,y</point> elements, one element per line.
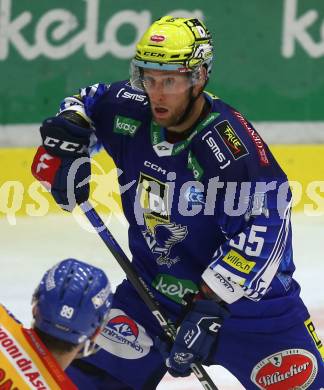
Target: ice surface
<point>33,245</point>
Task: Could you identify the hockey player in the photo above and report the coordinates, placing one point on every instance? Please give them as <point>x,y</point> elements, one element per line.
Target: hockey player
<point>69,307</point>
<point>208,209</point>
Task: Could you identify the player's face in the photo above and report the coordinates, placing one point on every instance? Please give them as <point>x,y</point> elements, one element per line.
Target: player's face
<point>169,95</point>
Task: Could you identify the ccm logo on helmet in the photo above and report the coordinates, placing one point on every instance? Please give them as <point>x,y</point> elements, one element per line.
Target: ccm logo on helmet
<point>66,146</point>
<point>151,54</point>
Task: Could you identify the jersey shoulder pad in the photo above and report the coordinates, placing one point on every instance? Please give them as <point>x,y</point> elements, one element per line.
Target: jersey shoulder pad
<point>230,146</point>
<point>237,136</point>
<point>217,145</point>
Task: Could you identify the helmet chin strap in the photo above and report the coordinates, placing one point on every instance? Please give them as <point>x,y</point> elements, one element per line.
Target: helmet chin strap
<point>189,107</point>
<point>186,112</point>
<point>89,348</point>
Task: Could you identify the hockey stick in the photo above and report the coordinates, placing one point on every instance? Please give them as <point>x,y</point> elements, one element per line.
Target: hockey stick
<point>140,286</point>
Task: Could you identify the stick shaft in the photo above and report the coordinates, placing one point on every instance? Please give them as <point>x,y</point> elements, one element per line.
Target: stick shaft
<point>140,286</point>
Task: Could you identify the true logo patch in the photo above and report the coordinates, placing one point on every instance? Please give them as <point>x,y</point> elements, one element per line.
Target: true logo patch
<point>231,140</point>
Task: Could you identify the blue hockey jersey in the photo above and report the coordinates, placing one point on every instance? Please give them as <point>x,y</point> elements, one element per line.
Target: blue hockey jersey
<point>215,206</point>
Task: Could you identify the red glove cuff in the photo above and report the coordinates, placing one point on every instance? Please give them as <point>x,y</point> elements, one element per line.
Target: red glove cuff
<point>45,167</point>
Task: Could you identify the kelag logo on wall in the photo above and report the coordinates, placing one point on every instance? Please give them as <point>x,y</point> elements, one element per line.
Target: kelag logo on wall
<point>58,32</point>
<point>298,30</point>
<point>52,48</point>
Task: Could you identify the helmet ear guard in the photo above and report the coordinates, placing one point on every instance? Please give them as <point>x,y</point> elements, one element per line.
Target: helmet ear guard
<point>136,77</point>
<point>90,347</point>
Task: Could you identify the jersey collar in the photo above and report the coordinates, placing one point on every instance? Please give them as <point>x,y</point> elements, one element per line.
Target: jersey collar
<point>164,148</point>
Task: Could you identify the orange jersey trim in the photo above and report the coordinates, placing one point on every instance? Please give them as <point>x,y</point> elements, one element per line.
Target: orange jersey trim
<point>25,361</point>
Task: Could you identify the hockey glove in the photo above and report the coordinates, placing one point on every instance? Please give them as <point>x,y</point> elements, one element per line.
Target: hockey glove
<point>62,164</point>
<point>64,138</point>
<point>196,337</point>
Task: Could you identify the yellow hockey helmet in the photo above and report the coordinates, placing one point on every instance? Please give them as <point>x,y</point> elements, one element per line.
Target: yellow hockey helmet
<point>170,43</point>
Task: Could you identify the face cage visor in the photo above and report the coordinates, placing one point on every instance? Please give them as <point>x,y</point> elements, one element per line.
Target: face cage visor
<point>170,78</point>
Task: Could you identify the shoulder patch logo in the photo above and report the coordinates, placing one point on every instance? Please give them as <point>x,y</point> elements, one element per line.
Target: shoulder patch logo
<point>289,369</point>
<point>235,260</point>
<point>126,126</point>
<point>231,140</point>
<point>256,139</point>
<point>124,337</point>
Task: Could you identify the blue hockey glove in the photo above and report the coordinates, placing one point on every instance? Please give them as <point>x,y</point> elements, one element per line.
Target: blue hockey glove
<point>67,135</point>
<point>63,163</point>
<point>196,337</point>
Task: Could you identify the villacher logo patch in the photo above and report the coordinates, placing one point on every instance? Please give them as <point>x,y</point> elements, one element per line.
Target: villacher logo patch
<point>288,369</point>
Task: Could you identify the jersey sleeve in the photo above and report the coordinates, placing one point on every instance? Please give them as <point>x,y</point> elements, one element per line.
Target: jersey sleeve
<point>84,103</point>
<point>253,210</point>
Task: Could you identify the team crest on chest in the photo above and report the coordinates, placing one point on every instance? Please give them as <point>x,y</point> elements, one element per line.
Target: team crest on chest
<point>161,234</point>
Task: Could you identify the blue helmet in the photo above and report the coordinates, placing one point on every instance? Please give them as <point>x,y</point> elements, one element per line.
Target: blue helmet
<point>72,301</point>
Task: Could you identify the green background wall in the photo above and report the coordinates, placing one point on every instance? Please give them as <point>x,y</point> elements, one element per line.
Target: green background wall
<point>269,55</point>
